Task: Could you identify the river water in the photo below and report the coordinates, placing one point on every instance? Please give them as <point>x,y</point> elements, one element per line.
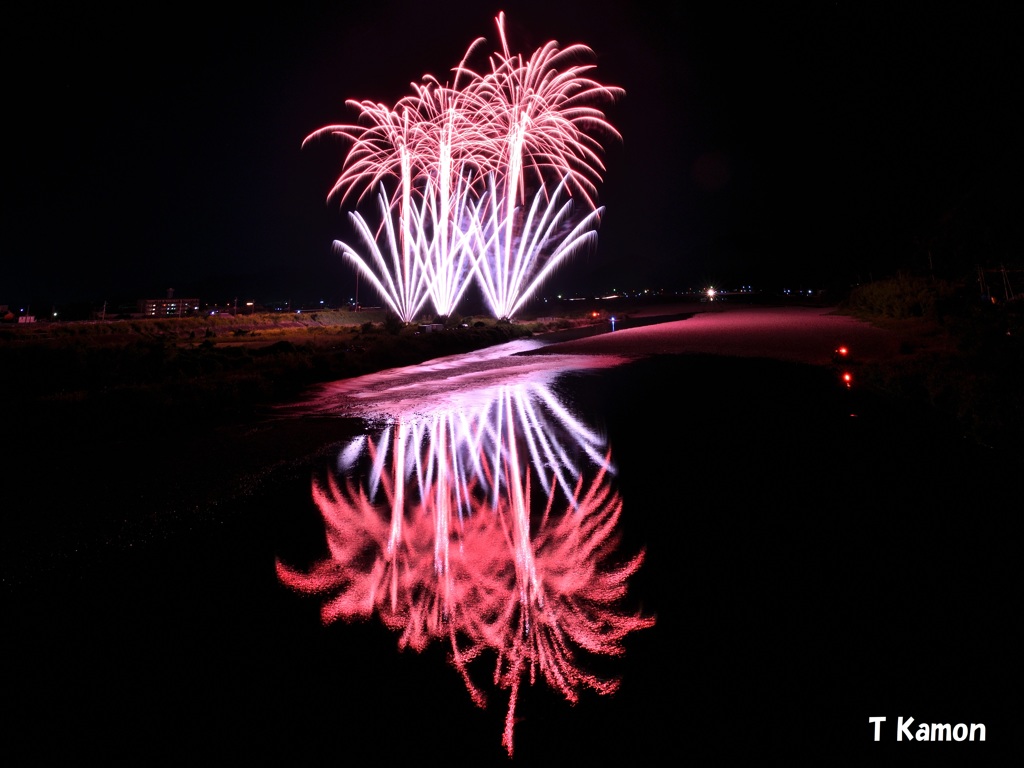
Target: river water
<point>716,558</point>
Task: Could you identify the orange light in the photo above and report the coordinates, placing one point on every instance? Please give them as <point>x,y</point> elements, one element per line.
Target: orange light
<point>842,351</point>
<point>847,378</point>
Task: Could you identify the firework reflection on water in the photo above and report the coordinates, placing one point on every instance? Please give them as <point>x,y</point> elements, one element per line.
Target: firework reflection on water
<point>489,523</point>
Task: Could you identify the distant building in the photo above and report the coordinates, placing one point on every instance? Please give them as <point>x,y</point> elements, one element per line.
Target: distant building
<point>169,307</point>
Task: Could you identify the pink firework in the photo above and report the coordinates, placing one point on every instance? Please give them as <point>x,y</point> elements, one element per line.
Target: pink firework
<point>505,136</point>
<point>542,113</point>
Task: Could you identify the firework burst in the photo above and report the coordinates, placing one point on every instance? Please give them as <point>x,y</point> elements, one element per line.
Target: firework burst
<point>460,165</point>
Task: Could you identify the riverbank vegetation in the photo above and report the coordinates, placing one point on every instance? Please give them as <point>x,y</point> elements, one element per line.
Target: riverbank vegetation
<point>962,353</point>
<point>961,356</point>
<point>198,368</point>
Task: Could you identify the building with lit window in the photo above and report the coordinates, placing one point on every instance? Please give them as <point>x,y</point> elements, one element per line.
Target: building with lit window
<point>169,307</point>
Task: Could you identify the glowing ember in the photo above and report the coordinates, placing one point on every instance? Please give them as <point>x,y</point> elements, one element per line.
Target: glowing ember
<point>470,177</point>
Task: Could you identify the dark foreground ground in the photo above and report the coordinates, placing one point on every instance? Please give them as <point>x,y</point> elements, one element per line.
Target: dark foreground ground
<point>816,555</point>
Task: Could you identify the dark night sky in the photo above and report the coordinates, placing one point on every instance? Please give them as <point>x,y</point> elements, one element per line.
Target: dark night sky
<point>817,142</point>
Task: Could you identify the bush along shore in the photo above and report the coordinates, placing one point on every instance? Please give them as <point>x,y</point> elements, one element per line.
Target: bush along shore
<point>202,369</point>
<point>962,354</point>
